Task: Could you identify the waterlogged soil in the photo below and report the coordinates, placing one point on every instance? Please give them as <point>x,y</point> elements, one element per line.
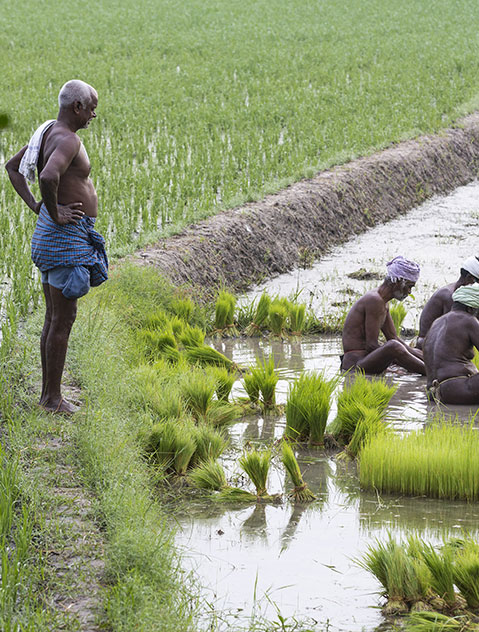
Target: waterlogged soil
<point>301,561</point>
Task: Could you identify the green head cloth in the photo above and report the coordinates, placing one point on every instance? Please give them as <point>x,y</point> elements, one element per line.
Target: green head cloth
<point>467,295</point>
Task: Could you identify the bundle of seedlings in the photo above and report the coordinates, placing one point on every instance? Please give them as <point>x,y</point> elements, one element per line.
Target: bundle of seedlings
<point>170,445</point>
<point>301,492</point>
<point>192,337</point>
<point>176,326</point>
<point>184,308</point>
<point>224,381</point>
<point>370,423</point>
<point>296,319</point>
<point>210,444</point>
<point>158,344</point>
<point>437,622</point>
<point>260,317</point>
<point>361,392</point>
<point>439,461</point>
<point>264,378</point>
<point>402,573</point>
<point>225,314</point>
<point>277,315</point>
<point>307,408</point>
<point>398,314</point>
<point>251,387</point>
<point>157,320</point>
<point>198,389</point>
<point>207,356</point>
<point>156,392</point>
<point>255,464</point>
<point>466,572</point>
<point>209,475</point>
<point>440,565</point>
<point>222,413</point>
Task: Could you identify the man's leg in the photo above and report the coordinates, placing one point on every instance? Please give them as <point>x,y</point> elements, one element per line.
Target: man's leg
<point>63,314</point>
<point>392,352</point>
<point>46,327</point>
<point>460,390</point>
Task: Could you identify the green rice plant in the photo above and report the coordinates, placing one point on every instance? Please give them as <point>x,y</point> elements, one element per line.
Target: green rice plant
<point>157,320</point>
<point>165,402</point>
<point>210,444</point>
<point>207,356</point>
<point>198,390</point>
<point>398,314</point>
<point>224,314</point>
<point>171,445</point>
<point>475,359</point>
<point>177,326</point>
<point>297,318</point>
<point>185,449</point>
<point>439,462</point>
<point>224,381</point>
<point>278,315</point>
<point>466,573</point>
<point>157,344</point>
<point>222,414</point>
<point>266,378</point>
<point>370,423</point>
<point>441,569</point>
<point>403,577</point>
<point>251,387</point>
<point>301,492</point>
<point>209,475</point>
<point>236,495</point>
<point>308,406</point>
<point>183,308</point>
<point>260,317</point>
<point>192,337</point>
<point>437,622</point>
<point>255,464</point>
<point>362,392</point>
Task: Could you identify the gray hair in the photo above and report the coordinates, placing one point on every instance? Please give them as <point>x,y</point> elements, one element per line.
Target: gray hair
<point>75,90</point>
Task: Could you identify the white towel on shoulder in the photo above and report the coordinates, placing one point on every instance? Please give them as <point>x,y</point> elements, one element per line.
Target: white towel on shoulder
<point>28,164</point>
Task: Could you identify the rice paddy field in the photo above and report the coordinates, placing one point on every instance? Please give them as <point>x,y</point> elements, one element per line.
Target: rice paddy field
<point>204,105</point>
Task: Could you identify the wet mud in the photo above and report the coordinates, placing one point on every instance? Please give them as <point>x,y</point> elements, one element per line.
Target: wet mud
<point>240,247</point>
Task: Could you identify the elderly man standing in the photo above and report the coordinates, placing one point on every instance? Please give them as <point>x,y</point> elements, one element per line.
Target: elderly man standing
<point>441,301</point>
<point>370,315</point>
<point>452,377</point>
<point>68,251</point>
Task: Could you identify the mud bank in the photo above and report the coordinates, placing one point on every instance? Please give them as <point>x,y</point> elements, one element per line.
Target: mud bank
<point>240,247</point>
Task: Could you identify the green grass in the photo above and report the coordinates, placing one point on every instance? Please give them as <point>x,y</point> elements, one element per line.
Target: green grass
<point>440,462</point>
<point>224,110</point>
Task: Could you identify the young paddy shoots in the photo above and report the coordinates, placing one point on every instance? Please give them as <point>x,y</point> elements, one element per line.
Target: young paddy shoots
<point>183,308</point>
<point>296,319</point>
<point>224,314</point>
<point>192,337</point>
<point>278,314</point>
<point>198,390</point>
<point>222,414</point>
<point>251,387</point>
<point>207,356</point>
<point>301,492</point>
<point>264,375</point>
<point>224,381</point>
<point>398,314</point>
<point>441,570</point>
<point>256,465</point>
<point>260,316</point>
<point>370,423</point>
<point>210,444</point>
<point>437,622</point>
<point>209,475</point>
<point>236,495</point>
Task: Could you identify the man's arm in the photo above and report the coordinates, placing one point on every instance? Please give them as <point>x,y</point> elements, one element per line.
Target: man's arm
<point>374,314</point>
<point>390,333</point>
<point>19,182</point>
<point>58,162</point>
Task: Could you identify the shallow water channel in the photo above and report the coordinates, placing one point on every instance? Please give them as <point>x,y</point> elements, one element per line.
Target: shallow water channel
<point>299,560</point>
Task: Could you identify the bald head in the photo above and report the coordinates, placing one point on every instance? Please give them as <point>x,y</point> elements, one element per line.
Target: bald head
<point>74,91</point>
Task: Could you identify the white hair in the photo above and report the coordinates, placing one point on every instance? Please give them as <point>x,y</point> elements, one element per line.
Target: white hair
<point>75,90</point>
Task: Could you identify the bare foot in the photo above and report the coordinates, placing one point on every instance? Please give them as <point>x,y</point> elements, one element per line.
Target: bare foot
<point>62,407</point>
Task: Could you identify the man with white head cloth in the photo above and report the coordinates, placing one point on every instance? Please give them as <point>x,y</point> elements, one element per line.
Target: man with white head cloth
<point>370,315</point>
<point>441,301</point>
<point>452,377</point>
<point>68,251</point>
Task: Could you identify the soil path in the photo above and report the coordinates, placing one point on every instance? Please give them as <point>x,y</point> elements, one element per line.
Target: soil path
<point>240,247</point>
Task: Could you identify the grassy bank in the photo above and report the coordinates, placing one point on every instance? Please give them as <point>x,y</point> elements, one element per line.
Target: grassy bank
<point>208,104</point>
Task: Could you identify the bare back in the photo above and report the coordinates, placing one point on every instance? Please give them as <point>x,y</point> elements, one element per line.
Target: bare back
<point>439,304</point>
<point>74,184</point>
<point>365,320</point>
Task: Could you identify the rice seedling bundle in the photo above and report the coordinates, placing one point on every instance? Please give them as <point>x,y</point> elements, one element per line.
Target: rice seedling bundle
<point>266,378</point>
<point>466,573</point>
<point>209,475</point>
<point>278,314</point>
<point>161,443</point>
<point>360,393</point>
<point>260,316</point>
<point>441,570</point>
<point>475,359</point>
<point>157,320</point>
<point>192,337</point>
<point>256,465</point>
<point>183,308</point>
<point>185,449</point>
<point>398,313</point>
<point>297,318</point>
<point>176,325</point>
<point>301,492</point>
<point>210,444</point>
<point>437,622</point>
<point>440,462</point>
<point>224,315</point>
<point>224,381</point>
<point>158,344</point>
<point>370,423</point>
<point>198,390</point>
<point>308,406</point>
<point>251,387</point>
<point>222,413</point>
<point>207,356</point>
<point>236,495</point>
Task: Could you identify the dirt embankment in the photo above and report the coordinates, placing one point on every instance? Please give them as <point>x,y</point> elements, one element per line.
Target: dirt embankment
<point>240,247</point>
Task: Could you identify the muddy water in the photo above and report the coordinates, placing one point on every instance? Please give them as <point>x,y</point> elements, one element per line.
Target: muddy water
<point>300,561</point>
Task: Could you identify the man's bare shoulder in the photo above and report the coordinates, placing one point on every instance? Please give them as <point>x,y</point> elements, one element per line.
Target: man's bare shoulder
<point>59,137</point>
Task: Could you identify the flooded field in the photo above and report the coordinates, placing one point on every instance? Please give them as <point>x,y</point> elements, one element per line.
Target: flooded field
<point>296,560</point>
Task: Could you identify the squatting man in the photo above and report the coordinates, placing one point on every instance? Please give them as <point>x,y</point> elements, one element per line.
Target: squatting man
<point>69,253</point>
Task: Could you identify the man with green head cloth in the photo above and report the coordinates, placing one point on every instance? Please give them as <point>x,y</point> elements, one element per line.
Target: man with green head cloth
<point>448,350</point>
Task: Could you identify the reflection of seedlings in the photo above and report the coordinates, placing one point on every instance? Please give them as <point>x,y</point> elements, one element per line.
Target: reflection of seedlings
<point>363,275</point>
<point>209,475</point>
<point>293,522</point>
<point>398,313</point>
<point>361,393</point>
<point>301,492</point>
<point>255,525</point>
<point>439,462</point>
<point>260,316</point>
<point>224,315</point>
<point>307,408</point>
